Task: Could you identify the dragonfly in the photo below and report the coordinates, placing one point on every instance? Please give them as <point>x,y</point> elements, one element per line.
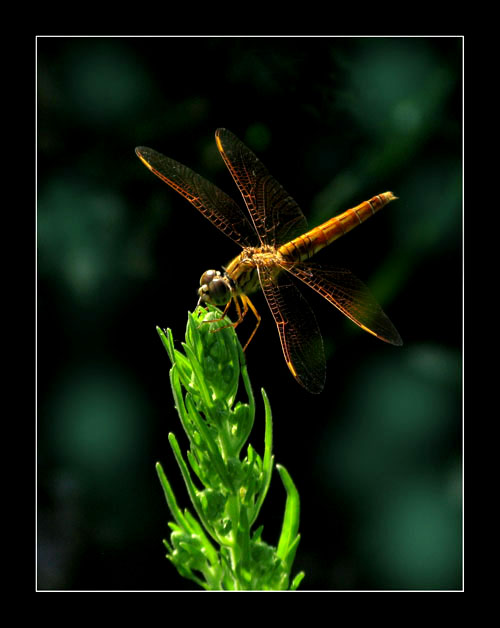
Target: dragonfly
<point>276,246</point>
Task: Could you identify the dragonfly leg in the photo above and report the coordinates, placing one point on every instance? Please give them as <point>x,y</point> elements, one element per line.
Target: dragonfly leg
<point>241,315</point>
<point>242,312</point>
<point>246,304</point>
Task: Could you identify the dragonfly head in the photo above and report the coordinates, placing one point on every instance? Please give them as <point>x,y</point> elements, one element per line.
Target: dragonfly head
<point>215,288</point>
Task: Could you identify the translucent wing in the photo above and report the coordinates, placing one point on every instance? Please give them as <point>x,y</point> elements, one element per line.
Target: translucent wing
<point>350,295</point>
<point>298,330</point>
<point>212,202</point>
<point>275,215</point>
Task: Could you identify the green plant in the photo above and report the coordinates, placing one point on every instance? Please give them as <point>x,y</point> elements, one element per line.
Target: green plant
<point>218,549</point>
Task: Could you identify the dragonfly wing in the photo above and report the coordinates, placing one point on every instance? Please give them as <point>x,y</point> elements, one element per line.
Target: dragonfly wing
<point>298,330</point>
<point>212,202</point>
<point>350,295</point>
<point>275,215</point>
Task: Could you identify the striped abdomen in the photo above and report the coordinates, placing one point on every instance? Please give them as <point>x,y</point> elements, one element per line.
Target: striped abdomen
<point>305,246</point>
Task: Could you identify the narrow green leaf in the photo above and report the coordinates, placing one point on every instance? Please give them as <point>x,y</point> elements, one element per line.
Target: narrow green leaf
<point>200,379</point>
<point>243,538</point>
<point>185,369</point>
<point>257,533</point>
<point>247,383</point>
<point>297,580</point>
<point>292,513</point>
<point>213,450</point>
<point>268,435</point>
<point>210,550</point>
<point>170,497</point>
<point>194,465</point>
<point>168,342</point>
<point>175,384</point>
<point>191,489</point>
<point>193,338</point>
<point>268,460</point>
<point>292,549</point>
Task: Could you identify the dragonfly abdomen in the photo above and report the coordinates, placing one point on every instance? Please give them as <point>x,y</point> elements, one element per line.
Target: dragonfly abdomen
<point>305,246</point>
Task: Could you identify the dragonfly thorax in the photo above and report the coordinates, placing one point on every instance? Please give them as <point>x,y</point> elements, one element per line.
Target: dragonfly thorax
<point>215,288</point>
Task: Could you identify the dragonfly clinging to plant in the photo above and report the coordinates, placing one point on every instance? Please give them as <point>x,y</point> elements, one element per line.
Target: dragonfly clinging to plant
<point>276,246</point>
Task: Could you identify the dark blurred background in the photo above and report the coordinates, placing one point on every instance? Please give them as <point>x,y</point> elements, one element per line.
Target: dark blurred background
<point>376,456</point>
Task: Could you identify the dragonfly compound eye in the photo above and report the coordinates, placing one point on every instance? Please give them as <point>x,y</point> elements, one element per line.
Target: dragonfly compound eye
<point>208,276</point>
<point>216,291</point>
